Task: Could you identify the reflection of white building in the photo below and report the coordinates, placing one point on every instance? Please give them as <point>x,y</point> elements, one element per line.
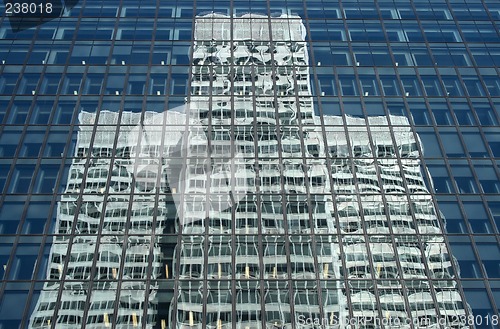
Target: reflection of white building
<point>250,95</point>
<point>110,192</point>
<point>393,232</point>
<point>285,219</point>
<point>375,227</point>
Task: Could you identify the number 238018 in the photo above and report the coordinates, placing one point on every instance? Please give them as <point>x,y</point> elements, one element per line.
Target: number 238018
<point>28,8</point>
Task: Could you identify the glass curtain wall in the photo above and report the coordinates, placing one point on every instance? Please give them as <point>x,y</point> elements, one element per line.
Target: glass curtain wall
<point>344,171</point>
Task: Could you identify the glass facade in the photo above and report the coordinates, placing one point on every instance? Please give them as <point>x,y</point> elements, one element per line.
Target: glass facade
<point>274,164</point>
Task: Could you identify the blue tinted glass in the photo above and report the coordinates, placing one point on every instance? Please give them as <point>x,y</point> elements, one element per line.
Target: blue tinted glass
<point>424,72</point>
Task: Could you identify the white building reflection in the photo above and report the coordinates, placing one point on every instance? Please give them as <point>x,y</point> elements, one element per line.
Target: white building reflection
<point>361,241</point>
<point>106,259</point>
<point>285,219</point>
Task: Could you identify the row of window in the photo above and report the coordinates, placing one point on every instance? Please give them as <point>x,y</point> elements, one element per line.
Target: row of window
<point>366,10</point>
<point>107,265</point>
<point>375,54</point>
<point>436,112</point>
<point>314,10</point>
<point>464,181</point>
<point>21,266</point>
<point>300,251</point>
<point>368,85</point>
<point>101,309</point>
<point>402,32</point>
<point>386,85</point>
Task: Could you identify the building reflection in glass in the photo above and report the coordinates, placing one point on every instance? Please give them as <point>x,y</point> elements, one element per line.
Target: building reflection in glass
<point>337,222</point>
<point>284,219</point>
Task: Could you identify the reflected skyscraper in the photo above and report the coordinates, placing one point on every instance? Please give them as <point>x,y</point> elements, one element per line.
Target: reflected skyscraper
<point>336,225</point>
<point>284,219</point>
<point>258,260</point>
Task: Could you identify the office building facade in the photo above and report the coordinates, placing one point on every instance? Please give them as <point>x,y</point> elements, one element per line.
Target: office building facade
<point>330,164</point>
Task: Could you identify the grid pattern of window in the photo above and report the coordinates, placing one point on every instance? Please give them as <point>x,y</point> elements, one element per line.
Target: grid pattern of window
<point>433,62</point>
<point>357,227</point>
<point>266,191</point>
<point>107,224</point>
